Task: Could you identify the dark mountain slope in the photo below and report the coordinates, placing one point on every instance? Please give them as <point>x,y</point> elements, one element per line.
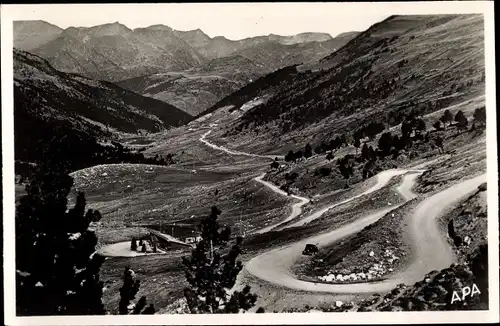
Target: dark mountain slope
<point>403,64</point>
<point>46,98</point>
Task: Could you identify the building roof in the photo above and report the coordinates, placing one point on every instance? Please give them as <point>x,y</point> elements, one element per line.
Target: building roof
<point>168,238</point>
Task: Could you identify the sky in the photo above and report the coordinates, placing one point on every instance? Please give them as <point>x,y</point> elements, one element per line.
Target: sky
<point>235,20</point>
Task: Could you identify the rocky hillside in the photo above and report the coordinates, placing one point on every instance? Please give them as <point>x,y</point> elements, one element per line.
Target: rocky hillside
<point>404,63</point>
<point>45,98</point>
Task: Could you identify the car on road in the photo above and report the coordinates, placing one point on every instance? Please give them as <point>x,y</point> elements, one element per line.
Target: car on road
<point>310,250</point>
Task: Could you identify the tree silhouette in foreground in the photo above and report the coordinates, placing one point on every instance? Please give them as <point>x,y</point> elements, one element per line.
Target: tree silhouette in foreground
<point>58,270</point>
<point>212,269</point>
<point>127,293</point>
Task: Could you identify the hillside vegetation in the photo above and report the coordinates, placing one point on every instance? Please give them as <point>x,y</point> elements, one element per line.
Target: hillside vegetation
<point>418,64</point>
<point>48,103</point>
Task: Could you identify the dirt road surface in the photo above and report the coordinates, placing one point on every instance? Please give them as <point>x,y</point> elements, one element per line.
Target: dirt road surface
<point>431,251</point>
<point>232,152</point>
<point>296,208</point>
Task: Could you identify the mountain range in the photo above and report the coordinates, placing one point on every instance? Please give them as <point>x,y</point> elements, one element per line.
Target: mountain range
<point>115,52</point>
<point>166,64</point>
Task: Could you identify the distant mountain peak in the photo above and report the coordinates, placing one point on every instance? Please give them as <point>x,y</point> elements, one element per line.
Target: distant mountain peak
<point>159,27</point>
<point>220,37</point>
<point>115,28</point>
<point>110,29</point>
<point>37,22</point>
<point>30,34</point>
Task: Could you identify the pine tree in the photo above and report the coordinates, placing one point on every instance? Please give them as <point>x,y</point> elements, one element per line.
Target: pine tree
<point>447,117</point>
<point>406,130</point>
<point>420,126</point>
<point>346,166</point>
<point>128,292</point>
<point>356,144</point>
<point>307,151</point>
<point>461,120</point>
<point>365,152</point>
<point>212,269</point>
<point>437,125</point>
<point>58,270</point>
<point>290,156</point>
<point>385,143</point>
<point>439,143</point>
<point>480,116</point>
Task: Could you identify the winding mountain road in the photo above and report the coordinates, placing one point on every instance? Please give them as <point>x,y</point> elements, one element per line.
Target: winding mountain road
<point>431,251</point>
<point>232,152</point>
<point>430,248</point>
<point>296,208</point>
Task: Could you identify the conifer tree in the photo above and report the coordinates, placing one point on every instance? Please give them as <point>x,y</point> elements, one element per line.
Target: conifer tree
<point>385,143</point>
<point>357,143</point>
<point>437,125</point>
<point>290,156</point>
<point>275,165</point>
<point>365,152</point>
<point>307,151</point>
<point>461,120</point>
<point>439,143</point>
<point>128,292</point>
<point>58,270</point>
<point>447,117</point>
<point>480,116</point>
<point>212,269</point>
<point>419,126</point>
